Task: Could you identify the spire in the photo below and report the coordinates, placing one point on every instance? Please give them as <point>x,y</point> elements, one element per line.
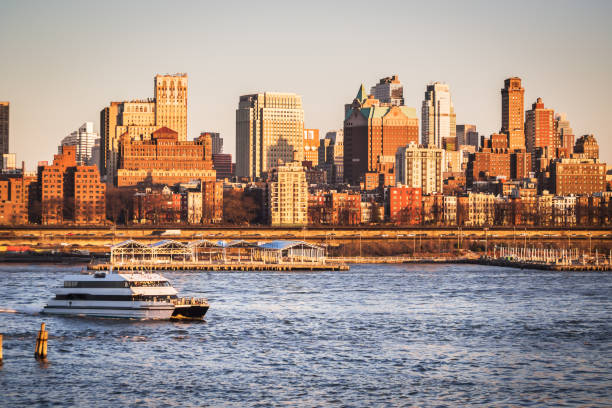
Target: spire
<point>361,94</point>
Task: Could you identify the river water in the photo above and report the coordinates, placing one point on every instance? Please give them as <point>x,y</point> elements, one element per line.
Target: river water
<point>377,335</point>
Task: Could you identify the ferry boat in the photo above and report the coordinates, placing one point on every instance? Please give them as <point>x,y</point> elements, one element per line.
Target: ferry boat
<point>137,295</point>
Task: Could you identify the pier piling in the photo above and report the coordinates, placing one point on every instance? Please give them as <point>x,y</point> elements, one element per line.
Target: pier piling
<point>40,352</point>
<point>0,349</point>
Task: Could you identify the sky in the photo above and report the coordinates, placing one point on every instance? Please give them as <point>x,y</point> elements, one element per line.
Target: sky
<point>61,62</point>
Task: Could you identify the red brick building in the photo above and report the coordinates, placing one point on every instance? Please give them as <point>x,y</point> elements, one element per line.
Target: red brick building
<point>164,160</point>
<point>212,201</point>
<point>71,193</point>
<point>334,208</point>
<point>373,132</point>
<point>15,193</point>
<point>539,127</point>
<point>404,205</point>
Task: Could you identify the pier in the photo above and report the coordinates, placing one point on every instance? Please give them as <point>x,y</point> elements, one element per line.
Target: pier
<point>552,259</point>
<point>206,255</point>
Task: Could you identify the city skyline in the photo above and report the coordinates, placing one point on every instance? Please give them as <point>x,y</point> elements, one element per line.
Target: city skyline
<point>48,103</point>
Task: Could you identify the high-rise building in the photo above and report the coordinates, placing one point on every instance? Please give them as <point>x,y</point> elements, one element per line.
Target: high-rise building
<point>513,112</point>
<point>438,119</point>
<point>9,162</point>
<point>463,134</point>
<point>171,103</point>
<point>15,192</point>
<point>311,146</point>
<point>140,118</point>
<point>389,90</point>
<point>539,127</point>
<point>372,135</point>
<point>84,139</point>
<point>420,167</point>
<point>269,128</point>
<point>217,141</point>
<point>564,136</point>
<point>4,128</point>
<point>288,195</point>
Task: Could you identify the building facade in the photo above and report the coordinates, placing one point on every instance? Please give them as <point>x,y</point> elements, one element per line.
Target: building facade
<point>4,128</point>
<point>288,196</point>
<point>403,205</point>
<point>539,127</point>
<point>513,105</point>
<point>84,138</point>
<point>578,176</point>
<point>222,163</point>
<point>269,128</point>
<point>438,120</point>
<point>389,90</point>
<point>311,146</point>
<point>587,147</point>
<point>463,132</point>
<point>140,118</point>
<point>372,135</point>
<point>70,192</point>
<point>164,159</point>
<point>420,167</point>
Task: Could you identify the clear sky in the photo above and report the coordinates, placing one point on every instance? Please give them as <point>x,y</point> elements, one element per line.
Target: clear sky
<point>61,62</point>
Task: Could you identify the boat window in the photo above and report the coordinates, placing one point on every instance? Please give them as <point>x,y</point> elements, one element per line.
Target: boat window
<point>149,283</point>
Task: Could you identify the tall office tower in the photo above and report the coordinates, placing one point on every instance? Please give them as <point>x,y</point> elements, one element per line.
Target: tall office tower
<point>463,132</point>
<point>311,146</point>
<point>420,167</point>
<point>4,128</point>
<point>269,128</point>
<point>437,115</point>
<point>171,103</point>
<point>288,195</point>
<point>564,136</point>
<point>389,90</point>
<point>84,139</point>
<point>372,134</point>
<point>217,141</point>
<point>139,118</point>
<point>539,127</point>
<point>512,112</point>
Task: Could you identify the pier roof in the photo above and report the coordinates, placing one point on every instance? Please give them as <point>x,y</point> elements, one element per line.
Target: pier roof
<point>280,245</point>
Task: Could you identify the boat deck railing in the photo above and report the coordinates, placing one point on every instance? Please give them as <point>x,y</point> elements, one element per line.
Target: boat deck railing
<point>189,301</point>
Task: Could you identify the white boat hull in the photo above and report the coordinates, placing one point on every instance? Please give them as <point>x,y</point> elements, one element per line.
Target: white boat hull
<point>131,310</point>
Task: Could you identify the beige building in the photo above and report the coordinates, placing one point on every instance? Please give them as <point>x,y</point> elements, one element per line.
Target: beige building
<point>420,167</point>
<point>269,128</point>
<point>288,195</point>
<point>140,118</point>
<point>481,209</point>
<point>438,118</point>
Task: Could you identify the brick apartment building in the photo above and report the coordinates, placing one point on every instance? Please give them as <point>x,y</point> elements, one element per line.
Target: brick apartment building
<point>403,205</point>
<point>164,159</point>
<point>70,192</point>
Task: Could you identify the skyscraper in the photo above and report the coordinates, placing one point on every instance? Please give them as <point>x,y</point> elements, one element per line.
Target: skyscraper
<point>269,128</point>
<point>463,134</point>
<point>372,134</point>
<point>564,136</point>
<point>389,90</point>
<point>84,139</point>
<point>217,141</point>
<point>141,117</point>
<point>4,128</point>
<point>311,146</point>
<point>539,127</point>
<point>437,115</point>
<point>512,112</point>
